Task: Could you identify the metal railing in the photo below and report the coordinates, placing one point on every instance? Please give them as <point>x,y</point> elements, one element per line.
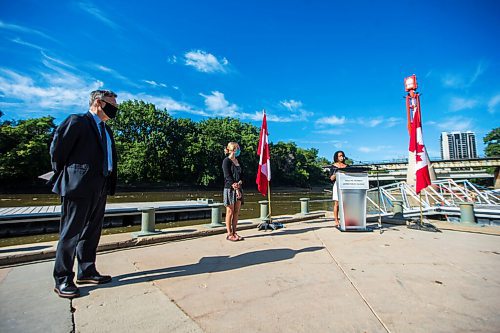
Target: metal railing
<point>442,195</point>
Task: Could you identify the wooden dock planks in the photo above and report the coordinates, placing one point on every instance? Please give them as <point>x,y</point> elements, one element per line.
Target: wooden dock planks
<point>38,213</point>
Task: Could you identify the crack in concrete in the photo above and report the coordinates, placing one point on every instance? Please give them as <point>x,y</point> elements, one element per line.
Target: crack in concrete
<point>353,285</point>
<point>72,310</point>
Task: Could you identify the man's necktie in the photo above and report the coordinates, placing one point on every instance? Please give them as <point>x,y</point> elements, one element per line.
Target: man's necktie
<point>104,142</point>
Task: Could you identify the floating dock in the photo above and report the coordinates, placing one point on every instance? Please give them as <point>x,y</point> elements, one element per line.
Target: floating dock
<point>17,221</point>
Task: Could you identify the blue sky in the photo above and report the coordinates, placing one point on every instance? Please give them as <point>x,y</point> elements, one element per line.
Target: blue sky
<point>328,73</point>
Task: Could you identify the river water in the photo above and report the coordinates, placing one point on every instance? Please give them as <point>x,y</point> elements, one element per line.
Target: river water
<point>283,202</point>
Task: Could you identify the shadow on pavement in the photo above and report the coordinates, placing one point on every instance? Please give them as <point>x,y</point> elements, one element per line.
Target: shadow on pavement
<point>24,249</point>
<point>284,232</point>
<point>205,265</point>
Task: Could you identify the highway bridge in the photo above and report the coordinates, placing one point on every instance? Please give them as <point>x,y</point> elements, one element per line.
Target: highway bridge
<point>445,169</point>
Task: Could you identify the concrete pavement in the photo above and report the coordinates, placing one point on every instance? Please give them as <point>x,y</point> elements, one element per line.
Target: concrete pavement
<point>308,277</point>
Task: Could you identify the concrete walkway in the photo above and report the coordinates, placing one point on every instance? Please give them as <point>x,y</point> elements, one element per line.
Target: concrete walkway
<point>308,277</point>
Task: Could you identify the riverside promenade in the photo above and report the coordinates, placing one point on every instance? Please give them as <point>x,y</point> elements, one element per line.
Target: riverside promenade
<point>306,277</point>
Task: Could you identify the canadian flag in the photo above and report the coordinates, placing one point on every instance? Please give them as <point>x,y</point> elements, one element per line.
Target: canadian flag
<point>417,146</point>
<point>264,171</point>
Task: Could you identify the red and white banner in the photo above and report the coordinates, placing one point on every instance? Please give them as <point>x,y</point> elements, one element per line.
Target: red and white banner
<point>264,171</point>
<point>417,146</point>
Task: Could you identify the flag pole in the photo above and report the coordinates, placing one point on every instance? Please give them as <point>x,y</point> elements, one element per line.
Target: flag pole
<point>420,208</point>
<point>263,152</point>
<point>269,199</point>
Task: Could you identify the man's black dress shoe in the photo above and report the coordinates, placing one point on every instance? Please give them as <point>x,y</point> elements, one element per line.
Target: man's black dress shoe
<point>94,279</point>
<point>67,290</point>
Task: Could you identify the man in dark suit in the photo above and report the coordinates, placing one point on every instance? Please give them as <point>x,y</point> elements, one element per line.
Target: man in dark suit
<point>84,161</point>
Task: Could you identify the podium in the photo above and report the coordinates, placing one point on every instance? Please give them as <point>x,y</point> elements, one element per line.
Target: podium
<point>352,186</point>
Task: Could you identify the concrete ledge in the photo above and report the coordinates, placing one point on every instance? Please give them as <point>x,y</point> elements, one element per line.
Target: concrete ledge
<point>12,255</point>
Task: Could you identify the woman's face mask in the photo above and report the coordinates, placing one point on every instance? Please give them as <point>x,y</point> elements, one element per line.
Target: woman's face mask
<point>237,152</point>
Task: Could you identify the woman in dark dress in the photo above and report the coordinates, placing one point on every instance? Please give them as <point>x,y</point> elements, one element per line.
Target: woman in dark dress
<point>233,192</point>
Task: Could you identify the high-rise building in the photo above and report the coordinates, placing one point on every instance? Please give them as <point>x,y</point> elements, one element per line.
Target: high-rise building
<point>458,145</point>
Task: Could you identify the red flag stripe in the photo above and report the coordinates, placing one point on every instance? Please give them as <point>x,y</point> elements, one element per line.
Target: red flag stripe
<point>264,170</point>
<point>417,146</point>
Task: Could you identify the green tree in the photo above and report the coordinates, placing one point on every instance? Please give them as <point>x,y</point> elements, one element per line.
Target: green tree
<point>207,149</point>
<point>492,142</point>
<point>24,149</point>
<point>295,166</point>
<point>144,140</point>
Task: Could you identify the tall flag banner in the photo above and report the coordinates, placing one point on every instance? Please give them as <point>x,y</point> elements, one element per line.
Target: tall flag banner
<point>264,171</point>
<point>417,146</point>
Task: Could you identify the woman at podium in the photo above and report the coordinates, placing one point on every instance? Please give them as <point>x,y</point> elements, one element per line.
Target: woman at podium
<point>338,163</point>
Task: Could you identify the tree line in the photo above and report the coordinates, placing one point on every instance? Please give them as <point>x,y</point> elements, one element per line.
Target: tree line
<point>154,147</point>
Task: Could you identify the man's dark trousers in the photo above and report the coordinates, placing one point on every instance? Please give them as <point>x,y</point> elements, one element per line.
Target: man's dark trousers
<point>80,231</point>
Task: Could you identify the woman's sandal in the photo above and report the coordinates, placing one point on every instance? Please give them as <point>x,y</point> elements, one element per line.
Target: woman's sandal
<point>232,238</point>
<point>239,237</point>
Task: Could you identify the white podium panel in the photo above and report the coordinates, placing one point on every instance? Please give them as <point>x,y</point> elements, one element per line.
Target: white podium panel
<point>351,189</point>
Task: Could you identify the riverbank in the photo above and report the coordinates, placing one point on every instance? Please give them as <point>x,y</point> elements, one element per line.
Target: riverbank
<point>40,187</point>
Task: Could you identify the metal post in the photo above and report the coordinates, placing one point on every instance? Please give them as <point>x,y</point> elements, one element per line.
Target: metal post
<point>205,200</point>
<point>147,222</point>
<point>397,209</point>
<point>304,206</point>
<point>216,215</point>
<point>264,212</point>
<point>467,212</point>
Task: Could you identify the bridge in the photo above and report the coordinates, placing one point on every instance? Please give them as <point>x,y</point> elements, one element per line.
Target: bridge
<point>445,169</point>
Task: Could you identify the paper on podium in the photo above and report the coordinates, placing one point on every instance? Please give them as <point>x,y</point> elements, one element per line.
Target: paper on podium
<point>46,176</point>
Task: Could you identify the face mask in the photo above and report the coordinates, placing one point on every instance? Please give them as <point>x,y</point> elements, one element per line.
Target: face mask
<point>110,110</point>
<point>237,152</point>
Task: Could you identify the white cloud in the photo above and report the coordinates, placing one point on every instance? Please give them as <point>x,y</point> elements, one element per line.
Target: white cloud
<point>459,103</point>
<point>57,61</point>
<point>453,81</point>
<point>453,124</point>
<point>374,122</point>
<point>392,121</point>
<point>335,131</point>
<point>365,149</point>
<point>205,62</point>
<point>493,103</point>
<point>18,28</point>
<point>480,68</point>
<point>332,120</point>
<point>461,80</point>
<point>366,122</point>
<point>218,106</point>
<point>370,122</point>
<point>21,42</point>
<point>291,104</point>
<point>161,102</point>
<point>116,75</point>
<point>172,59</point>
<point>271,117</point>
<point>97,14</point>
<point>217,103</point>
<point>155,84</point>
<point>49,94</point>
<point>295,112</point>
